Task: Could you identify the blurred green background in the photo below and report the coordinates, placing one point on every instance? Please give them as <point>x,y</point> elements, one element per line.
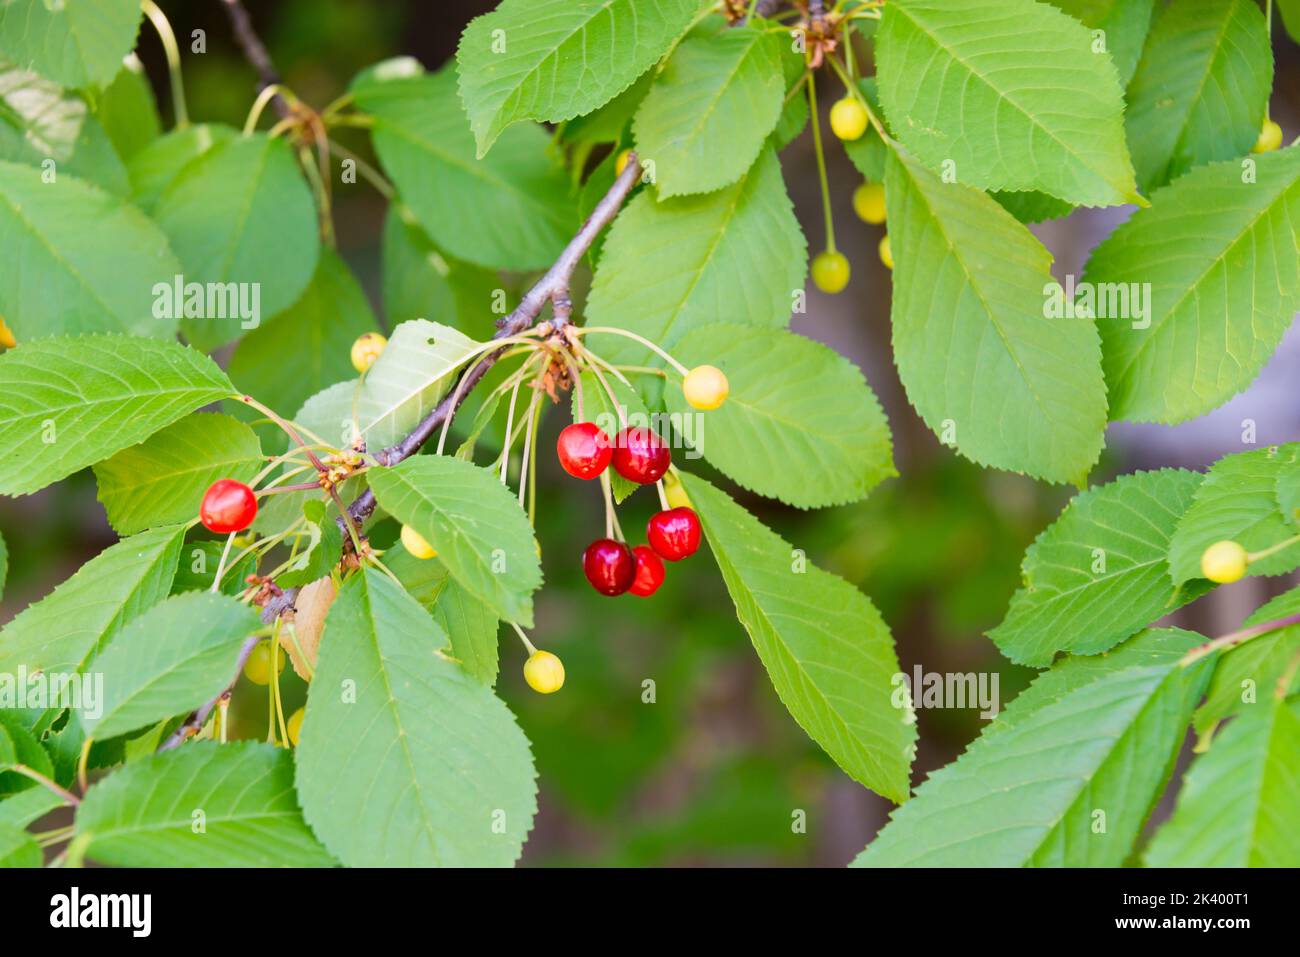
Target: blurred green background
<point>708,768</point>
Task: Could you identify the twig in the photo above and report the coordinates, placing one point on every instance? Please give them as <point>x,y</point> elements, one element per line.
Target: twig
<point>191,725</point>
<point>255,52</point>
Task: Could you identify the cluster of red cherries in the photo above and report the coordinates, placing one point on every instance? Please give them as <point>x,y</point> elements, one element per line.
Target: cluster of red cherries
<point>639,455</point>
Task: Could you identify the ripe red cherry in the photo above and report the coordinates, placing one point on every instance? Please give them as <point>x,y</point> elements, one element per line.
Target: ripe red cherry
<point>649,572</point>
<point>610,566</point>
<point>584,450</point>
<point>640,455</point>
<point>228,506</point>
<point>674,534</point>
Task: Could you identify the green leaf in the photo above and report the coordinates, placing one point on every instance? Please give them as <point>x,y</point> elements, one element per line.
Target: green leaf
<point>170,660</point>
<point>4,565</point>
<point>1237,807</point>
<point>1010,92</point>
<point>75,279</point>
<point>670,266</point>
<point>71,402</point>
<point>598,408</point>
<point>552,60</point>
<point>262,236</point>
<point>145,814</point>
<point>991,355</point>
<point>1238,501</point>
<point>1091,735</point>
<point>321,553</point>
<point>511,210</point>
<point>128,111</point>
<point>607,124</point>
<point>28,806</point>
<point>198,564</point>
<point>1100,572</point>
<point>1250,672</point>
<point>468,622</point>
<point>709,112</point>
<point>157,165</point>
<point>420,282</point>
<point>75,44</point>
<point>405,759</point>
<point>1290,11</point>
<point>474,522</point>
<point>1200,89</point>
<point>22,748</point>
<point>40,122</point>
<point>414,372</point>
<point>825,647</point>
<point>812,436</point>
<point>18,848</point>
<point>1033,207</point>
<point>287,360</point>
<point>1215,262</point>
<point>61,631</point>
<point>1123,25</point>
<point>161,480</point>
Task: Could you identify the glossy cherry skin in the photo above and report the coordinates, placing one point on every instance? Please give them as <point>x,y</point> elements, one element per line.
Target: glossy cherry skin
<point>610,566</point>
<point>228,506</point>
<point>674,534</point>
<point>649,572</point>
<point>640,455</point>
<point>584,450</point>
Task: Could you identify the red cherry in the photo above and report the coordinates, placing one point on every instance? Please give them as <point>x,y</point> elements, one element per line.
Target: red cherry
<point>640,455</point>
<point>228,506</point>
<point>610,566</point>
<point>649,572</point>
<point>674,534</point>
<point>584,450</point>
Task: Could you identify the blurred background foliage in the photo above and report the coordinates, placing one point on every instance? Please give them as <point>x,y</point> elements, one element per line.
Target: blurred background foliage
<point>667,744</point>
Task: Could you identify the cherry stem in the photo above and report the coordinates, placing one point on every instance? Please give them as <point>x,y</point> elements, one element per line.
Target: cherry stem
<point>173,54</point>
<point>615,331</point>
<point>1272,549</point>
<point>42,780</point>
<point>1237,638</point>
<point>221,565</point>
<point>532,650</point>
<point>663,494</point>
<point>821,163</point>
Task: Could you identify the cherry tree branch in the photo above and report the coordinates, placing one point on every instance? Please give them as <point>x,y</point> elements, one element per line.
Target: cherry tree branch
<point>553,287</point>
<point>199,717</point>
<point>255,51</point>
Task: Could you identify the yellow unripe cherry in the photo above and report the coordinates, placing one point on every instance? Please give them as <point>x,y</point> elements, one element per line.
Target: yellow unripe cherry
<point>544,672</point>
<point>830,271</point>
<point>1270,138</point>
<point>869,203</point>
<point>1224,562</point>
<point>366,350</point>
<point>416,544</point>
<point>706,387</point>
<point>886,254</point>
<point>675,492</point>
<point>257,668</point>
<point>620,163</point>
<point>294,726</point>
<point>848,119</point>
<point>7,340</point>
